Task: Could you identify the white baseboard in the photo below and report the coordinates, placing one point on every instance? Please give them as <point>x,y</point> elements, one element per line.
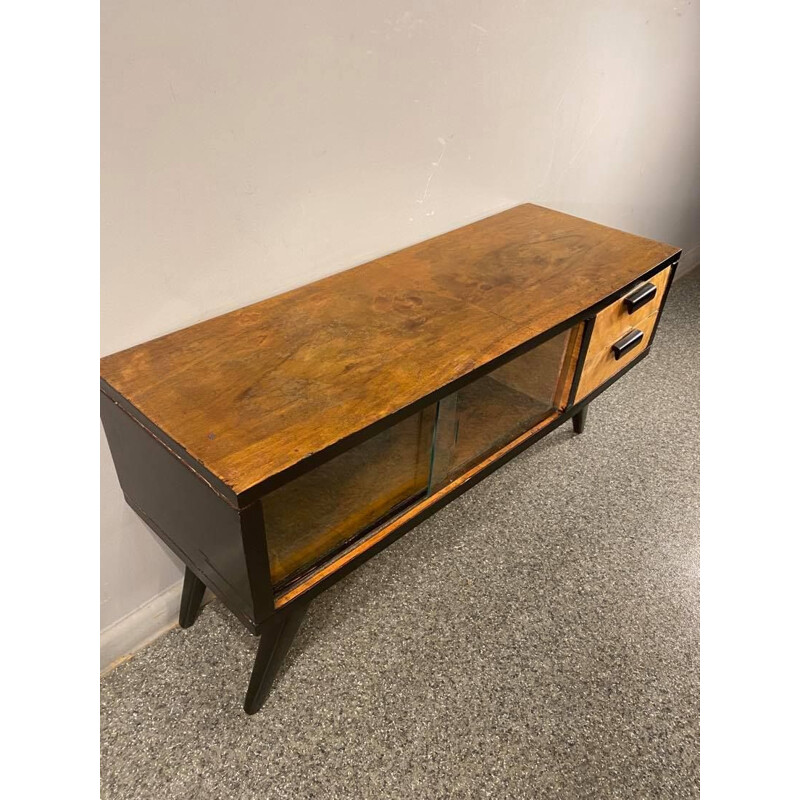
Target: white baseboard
<point>122,639</point>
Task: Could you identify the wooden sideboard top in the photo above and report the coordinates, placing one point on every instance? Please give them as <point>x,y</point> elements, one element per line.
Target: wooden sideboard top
<point>253,392</point>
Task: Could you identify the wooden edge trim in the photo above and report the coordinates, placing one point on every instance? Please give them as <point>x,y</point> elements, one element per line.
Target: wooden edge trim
<point>588,329</point>
<point>569,363</point>
<point>673,271</point>
<point>256,558</point>
<point>124,408</point>
<point>369,541</point>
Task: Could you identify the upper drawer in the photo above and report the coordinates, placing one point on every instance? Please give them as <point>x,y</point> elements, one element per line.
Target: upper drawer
<point>642,301</point>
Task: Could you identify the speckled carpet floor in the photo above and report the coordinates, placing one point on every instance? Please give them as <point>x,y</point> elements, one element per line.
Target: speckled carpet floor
<point>537,638</point>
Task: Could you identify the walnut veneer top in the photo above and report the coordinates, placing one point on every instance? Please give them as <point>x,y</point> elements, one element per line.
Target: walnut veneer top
<point>252,392</point>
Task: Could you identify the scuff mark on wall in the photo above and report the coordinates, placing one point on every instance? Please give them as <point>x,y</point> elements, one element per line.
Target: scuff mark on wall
<point>584,141</point>
<point>483,33</point>
<point>435,165</point>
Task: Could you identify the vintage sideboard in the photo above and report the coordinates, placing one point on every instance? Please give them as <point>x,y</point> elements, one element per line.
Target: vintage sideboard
<point>277,447</point>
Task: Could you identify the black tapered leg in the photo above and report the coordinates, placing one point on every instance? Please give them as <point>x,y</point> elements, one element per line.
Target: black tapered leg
<point>192,596</point>
<point>275,642</point>
<point>579,420</point>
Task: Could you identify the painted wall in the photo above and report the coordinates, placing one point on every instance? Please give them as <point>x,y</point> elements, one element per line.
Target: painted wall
<point>252,146</point>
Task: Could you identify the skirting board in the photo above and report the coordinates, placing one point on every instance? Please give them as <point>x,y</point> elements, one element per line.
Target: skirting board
<point>120,641</point>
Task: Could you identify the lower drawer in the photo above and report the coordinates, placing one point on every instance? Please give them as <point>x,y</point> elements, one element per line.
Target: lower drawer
<point>604,359</point>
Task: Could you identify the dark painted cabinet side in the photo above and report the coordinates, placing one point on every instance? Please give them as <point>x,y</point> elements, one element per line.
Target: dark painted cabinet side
<point>215,540</point>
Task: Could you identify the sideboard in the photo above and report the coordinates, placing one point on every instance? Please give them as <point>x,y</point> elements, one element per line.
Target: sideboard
<point>277,447</point>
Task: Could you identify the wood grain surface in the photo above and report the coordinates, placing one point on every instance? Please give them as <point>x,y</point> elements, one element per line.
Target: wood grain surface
<point>612,322</point>
<point>600,363</point>
<point>252,393</point>
<point>567,376</point>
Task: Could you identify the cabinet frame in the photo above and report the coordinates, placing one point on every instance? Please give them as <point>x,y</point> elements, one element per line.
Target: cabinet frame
<point>255,607</point>
<point>219,533</point>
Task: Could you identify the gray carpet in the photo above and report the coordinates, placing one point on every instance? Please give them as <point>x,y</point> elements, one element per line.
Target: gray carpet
<point>537,638</point>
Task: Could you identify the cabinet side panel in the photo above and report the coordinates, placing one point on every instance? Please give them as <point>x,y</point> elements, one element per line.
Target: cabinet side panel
<point>195,523</point>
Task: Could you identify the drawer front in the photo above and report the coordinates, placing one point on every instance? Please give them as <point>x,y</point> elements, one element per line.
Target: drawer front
<point>614,341</point>
<point>620,317</point>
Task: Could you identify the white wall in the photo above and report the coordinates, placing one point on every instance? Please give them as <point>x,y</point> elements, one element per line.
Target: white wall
<point>252,146</point>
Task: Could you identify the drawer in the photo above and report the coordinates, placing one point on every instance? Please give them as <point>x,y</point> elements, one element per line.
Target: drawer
<point>632,310</point>
<point>603,359</point>
<point>615,341</point>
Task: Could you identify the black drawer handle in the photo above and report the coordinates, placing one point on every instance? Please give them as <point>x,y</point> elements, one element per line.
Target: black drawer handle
<point>640,297</point>
<point>627,343</point>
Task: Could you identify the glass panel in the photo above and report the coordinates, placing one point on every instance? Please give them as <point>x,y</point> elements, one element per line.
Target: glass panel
<point>445,436</point>
<point>318,512</point>
<point>488,413</point>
